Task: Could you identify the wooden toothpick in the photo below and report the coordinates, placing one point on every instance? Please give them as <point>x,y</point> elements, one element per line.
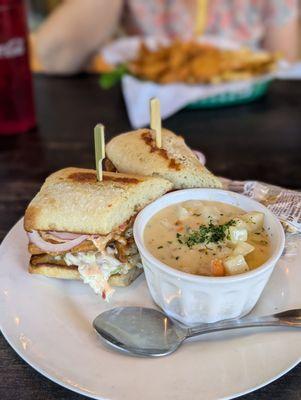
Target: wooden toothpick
<point>99,143</point>
<point>155,117</point>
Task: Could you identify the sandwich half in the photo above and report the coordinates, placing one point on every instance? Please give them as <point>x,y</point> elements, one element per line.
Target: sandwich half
<point>136,153</point>
<point>80,228</point>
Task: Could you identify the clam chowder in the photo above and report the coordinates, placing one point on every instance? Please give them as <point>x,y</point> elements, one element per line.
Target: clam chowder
<point>208,238</point>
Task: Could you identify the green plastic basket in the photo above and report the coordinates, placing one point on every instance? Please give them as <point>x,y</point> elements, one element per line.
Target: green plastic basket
<point>254,92</point>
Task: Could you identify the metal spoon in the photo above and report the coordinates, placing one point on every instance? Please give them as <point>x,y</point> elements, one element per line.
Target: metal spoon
<point>150,333</point>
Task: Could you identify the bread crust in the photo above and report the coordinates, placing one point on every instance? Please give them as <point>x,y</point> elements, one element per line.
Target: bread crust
<point>71,272</point>
<point>55,271</point>
<point>136,153</point>
<point>72,200</point>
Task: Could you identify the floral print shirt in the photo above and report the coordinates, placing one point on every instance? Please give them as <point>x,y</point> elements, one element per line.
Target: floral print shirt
<point>240,20</point>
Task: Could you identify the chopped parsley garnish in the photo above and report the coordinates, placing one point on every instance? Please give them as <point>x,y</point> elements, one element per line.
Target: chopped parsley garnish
<point>206,234</point>
<point>160,247</point>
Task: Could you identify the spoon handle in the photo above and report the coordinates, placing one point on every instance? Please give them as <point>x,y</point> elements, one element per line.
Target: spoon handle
<point>248,322</point>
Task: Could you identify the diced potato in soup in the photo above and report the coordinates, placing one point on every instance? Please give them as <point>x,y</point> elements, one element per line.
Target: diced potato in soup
<point>243,248</point>
<point>253,220</point>
<point>235,265</point>
<point>208,238</point>
<point>237,235</point>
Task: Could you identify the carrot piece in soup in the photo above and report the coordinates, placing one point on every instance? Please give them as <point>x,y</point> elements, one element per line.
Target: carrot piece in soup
<point>217,267</point>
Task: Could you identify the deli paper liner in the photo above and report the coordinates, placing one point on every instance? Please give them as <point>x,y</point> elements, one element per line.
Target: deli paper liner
<point>285,204</point>
<point>173,97</point>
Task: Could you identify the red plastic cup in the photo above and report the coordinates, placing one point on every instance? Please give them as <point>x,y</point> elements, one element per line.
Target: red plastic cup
<point>16,96</point>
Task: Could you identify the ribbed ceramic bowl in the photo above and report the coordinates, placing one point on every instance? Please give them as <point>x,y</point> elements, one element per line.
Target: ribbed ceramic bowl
<point>194,299</point>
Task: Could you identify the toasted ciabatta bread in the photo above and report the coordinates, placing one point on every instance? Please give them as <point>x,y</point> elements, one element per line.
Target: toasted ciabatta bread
<point>136,153</point>
<point>71,272</point>
<point>72,200</point>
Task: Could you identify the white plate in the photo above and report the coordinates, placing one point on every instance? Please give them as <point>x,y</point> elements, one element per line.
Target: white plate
<point>48,323</point>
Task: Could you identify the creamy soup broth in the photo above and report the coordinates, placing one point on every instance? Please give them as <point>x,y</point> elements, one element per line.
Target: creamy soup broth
<point>230,241</point>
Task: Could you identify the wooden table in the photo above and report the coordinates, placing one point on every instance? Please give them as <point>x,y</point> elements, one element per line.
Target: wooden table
<point>256,141</point>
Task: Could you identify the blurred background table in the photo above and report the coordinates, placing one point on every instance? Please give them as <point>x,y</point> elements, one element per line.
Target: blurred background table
<point>256,141</point>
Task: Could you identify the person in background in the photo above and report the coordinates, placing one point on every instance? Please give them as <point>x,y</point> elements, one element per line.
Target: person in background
<point>70,36</point>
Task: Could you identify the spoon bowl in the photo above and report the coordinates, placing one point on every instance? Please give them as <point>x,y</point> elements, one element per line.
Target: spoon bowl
<point>148,332</point>
<point>141,331</point>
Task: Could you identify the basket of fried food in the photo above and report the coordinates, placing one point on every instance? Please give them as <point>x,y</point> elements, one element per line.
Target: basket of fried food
<point>194,63</point>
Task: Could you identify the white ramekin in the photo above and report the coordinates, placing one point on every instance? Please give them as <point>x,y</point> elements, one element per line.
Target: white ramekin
<point>194,299</point>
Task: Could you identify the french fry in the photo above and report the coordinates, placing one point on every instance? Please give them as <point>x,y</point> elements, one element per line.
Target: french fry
<point>201,17</point>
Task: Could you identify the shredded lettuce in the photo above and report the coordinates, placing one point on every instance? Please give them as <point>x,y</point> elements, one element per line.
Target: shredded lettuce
<point>110,79</point>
